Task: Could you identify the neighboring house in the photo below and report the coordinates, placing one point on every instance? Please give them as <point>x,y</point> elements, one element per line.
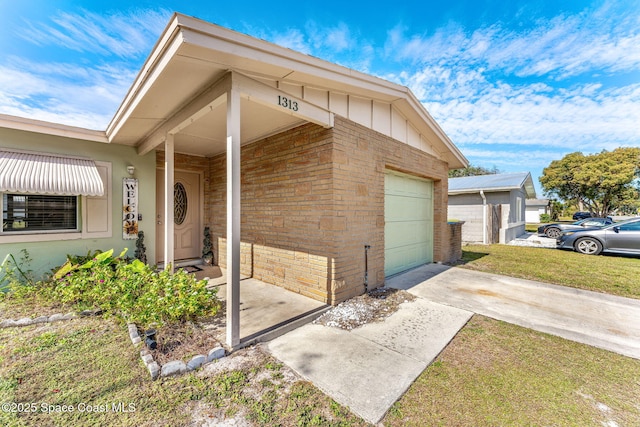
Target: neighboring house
<point>535,208</point>
<point>492,206</point>
<point>305,171</point>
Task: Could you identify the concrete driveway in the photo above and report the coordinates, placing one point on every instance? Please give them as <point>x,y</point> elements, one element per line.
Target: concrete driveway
<point>600,320</point>
<point>369,368</point>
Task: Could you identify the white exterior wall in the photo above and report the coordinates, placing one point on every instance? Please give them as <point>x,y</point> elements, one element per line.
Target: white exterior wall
<point>468,208</point>
<point>532,215</point>
<point>514,220</point>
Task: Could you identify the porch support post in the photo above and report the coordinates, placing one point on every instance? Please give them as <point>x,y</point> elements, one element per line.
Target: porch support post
<point>233,217</point>
<point>168,202</point>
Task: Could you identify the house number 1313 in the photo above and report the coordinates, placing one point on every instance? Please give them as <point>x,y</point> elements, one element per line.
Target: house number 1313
<point>285,102</point>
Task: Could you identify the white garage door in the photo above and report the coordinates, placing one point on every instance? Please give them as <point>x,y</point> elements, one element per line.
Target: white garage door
<point>408,214</point>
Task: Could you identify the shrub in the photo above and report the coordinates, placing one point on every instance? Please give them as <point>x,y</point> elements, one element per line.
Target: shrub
<point>544,218</point>
<point>131,290</point>
<point>15,275</point>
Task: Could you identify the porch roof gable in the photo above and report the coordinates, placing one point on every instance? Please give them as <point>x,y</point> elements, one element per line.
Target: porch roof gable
<point>191,55</point>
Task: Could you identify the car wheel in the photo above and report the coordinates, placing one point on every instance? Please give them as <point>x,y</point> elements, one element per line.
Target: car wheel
<point>588,246</point>
<point>552,232</point>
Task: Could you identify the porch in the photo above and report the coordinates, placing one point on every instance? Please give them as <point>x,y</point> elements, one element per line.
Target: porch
<point>266,311</point>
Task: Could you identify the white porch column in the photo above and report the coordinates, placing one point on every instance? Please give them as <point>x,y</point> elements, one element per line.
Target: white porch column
<point>168,202</point>
<point>233,217</point>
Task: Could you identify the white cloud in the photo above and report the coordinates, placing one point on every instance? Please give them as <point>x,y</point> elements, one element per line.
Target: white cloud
<point>337,39</point>
<point>553,85</point>
<point>79,92</point>
<point>123,35</point>
<point>522,115</point>
<point>293,39</point>
<point>62,92</point>
<point>605,39</point>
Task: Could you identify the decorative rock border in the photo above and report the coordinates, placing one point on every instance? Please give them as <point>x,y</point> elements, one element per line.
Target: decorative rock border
<point>175,367</point>
<point>27,321</point>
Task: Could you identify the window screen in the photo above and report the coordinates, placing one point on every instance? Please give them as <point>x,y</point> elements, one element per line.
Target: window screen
<point>32,212</point>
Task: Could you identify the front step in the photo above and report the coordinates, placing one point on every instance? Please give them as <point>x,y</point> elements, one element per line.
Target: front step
<point>182,263</point>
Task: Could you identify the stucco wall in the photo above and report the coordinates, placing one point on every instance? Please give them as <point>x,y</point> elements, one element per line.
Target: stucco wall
<point>48,254</point>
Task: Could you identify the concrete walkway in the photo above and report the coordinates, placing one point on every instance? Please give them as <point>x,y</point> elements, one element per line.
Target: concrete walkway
<point>371,367</point>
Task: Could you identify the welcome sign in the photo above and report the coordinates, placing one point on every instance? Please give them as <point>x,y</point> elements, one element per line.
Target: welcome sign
<point>129,208</point>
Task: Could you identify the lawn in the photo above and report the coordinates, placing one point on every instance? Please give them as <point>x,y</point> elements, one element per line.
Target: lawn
<point>492,373</point>
<point>611,274</point>
<point>497,374</point>
<point>86,372</point>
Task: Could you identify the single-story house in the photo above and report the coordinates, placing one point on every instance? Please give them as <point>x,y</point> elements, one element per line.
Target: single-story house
<point>304,171</point>
<point>535,208</point>
<point>492,206</point>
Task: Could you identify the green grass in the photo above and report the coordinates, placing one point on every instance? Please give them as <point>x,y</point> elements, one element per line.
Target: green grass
<point>616,275</point>
<point>91,363</point>
<point>491,374</point>
<point>497,374</point>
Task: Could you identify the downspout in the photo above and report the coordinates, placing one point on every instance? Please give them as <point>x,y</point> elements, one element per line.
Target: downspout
<point>484,217</point>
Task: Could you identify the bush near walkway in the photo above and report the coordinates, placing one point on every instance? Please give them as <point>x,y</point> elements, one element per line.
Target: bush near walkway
<point>130,290</point>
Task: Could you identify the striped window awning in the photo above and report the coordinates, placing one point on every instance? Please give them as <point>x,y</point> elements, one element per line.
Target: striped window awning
<point>39,173</point>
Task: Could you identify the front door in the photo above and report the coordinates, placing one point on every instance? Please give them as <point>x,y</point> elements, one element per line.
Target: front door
<point>186,211</point>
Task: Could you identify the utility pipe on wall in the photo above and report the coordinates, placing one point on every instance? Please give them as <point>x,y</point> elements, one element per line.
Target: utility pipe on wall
<point>484,218</point>
<point>366,267</point>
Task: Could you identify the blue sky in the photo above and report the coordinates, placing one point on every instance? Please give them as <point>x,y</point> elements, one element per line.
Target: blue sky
<point>514,84</point>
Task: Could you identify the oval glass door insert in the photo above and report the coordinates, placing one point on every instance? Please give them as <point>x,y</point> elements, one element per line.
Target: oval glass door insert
<point>179,203</point>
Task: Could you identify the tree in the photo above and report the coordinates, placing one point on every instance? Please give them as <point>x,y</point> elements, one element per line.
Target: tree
<point>603,182</point>
<point>472,171</point>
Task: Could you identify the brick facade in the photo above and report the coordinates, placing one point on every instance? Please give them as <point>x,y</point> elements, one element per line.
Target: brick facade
<point>311,199</point>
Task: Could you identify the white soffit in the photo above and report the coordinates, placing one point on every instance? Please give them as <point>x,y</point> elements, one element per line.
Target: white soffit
<point>39,173</point>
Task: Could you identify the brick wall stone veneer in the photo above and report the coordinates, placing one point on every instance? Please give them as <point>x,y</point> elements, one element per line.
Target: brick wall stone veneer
<point>311,199</point>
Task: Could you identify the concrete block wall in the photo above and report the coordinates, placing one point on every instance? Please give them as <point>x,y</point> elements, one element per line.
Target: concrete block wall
<point>288,224</point>
<point>455,242</point>
<point>472,216</point>
<point>362,157</point>
<point>311,199</point>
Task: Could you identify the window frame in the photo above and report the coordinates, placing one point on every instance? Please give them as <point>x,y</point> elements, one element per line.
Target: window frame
<point>78,213</point>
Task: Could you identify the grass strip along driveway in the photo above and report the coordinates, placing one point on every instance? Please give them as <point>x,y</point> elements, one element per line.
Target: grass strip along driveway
<point>610,274</point>
<point>492,373</point>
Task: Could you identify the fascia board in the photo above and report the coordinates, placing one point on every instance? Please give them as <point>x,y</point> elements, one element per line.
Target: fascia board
<point>55,129</point>
<point>486,190</point>
<point>159,51</point>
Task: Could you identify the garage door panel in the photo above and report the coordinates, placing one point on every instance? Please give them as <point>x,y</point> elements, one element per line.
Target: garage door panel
<point>408,222</point>
<point>407,233</point>
<point>404,208</point>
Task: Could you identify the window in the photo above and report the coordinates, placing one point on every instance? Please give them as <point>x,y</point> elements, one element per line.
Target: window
<point>518,209</point>
<point>33,212</point>
<point>632,226</point>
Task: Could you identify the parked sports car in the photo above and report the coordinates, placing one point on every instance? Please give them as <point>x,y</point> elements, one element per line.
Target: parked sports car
<point>621,237</point>
<point>582,215</point>
<point>555,230</point>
